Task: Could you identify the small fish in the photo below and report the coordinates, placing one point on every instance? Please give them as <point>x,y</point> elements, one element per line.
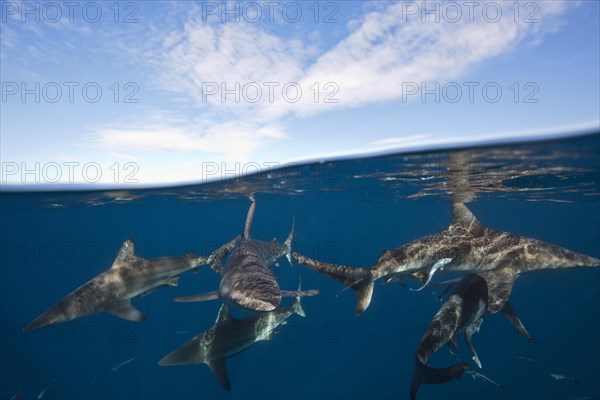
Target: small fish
<point>476,375</point>
<point>43,392</point>
<point>116,367</point>
<point>16,396</point>
<point>559,377</point>
<point>439,264</point>
<point>526,359</point>
<point>182,332</point>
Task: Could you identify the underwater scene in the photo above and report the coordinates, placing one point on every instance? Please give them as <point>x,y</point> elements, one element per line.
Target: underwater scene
<point>238,288</point>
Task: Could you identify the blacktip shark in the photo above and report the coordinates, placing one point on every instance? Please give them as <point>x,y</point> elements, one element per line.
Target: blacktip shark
<point>129,276</point>
<point>462,311</point>
<point>465,246</point>
<point>247,280</point>
<point>227,337</point>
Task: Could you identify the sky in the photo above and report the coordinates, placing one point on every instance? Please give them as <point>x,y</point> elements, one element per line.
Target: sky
<point>152,92</point>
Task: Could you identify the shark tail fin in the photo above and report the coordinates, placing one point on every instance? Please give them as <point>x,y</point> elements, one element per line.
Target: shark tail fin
<point>359,279</point>
<point>297,304</point>
<point>425,374</point>
<point>288,243</point>
<point>184,355</point>
<point>215,259</point>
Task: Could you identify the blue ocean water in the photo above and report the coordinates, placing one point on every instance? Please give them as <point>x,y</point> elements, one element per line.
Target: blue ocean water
<point>345,212</point>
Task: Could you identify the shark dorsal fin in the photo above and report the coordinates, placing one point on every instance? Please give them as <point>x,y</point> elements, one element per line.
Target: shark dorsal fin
<point>249,218</point>
<point>126,253</point>
<point>223,315</point>
<point>463,217</point>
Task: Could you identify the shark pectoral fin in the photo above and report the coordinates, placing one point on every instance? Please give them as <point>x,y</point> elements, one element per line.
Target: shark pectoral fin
<point>438,265</point>
<point>300,293</point>
<point>471,329</point>
<point>125,310</point>
<point>197,297</point>
<point>509,313</point>
<point>218,367</point>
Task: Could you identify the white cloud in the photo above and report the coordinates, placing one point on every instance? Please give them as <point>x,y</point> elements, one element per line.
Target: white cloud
<point>233,141</point>
<point>381,53</point>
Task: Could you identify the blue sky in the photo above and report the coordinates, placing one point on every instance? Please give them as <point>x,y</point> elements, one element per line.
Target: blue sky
<point>362,68</point>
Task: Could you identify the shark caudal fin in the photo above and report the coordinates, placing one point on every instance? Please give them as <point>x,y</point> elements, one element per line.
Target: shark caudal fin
<point>215,259</point>
<point>358,279</point>
<point>288,244</point>
<point>297,305</point>
<point>425,374</point>
<point>184,355</point>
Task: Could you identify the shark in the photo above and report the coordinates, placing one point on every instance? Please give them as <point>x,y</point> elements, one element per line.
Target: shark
<point>462,311</point>
<point>464,246</point>
<point>129,276</point>
<point>228,337</point>
<point>247,279</point>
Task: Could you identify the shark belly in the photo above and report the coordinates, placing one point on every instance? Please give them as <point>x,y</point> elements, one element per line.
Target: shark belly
<point>247,282</point>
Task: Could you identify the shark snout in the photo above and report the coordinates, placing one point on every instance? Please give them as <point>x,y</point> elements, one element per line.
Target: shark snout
<point>253,289</point>
<point>253,301</point>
